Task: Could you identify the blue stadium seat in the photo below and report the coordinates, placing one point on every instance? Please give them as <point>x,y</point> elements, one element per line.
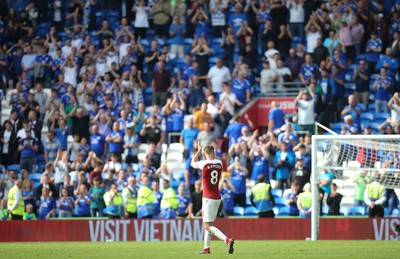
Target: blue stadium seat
<point>250,211</point>
<point>337,126</point>
<point>343,211</point>
<point>367,116</point>
<point>371,107</point>
<point>374,126</point>
<point>356,211</point>
<point>280,202</point>
<point>277,193</point>
<point>386,211</point>
<point>14,167</point>
<point>238,211</point>
<point>325,210</point>
<point>296,39</point>
<point>188,41</point>
<point>395,212</point>
<point>362,107</point>
<point>381,117</point>
<point>35,177</point>
<point>284,211</point>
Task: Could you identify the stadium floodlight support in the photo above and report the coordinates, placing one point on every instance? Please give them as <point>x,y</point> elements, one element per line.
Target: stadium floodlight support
<point>328,160</point>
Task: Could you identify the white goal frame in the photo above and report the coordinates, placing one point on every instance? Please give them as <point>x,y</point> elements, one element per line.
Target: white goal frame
<point>314,174</point>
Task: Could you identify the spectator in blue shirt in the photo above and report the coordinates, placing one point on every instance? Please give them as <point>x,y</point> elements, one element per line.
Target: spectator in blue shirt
<point>28,147</point>
<point>283,162</point>
<point>259,155</point>
<point>374,49</point>
<point>227,195</point>
<point>47,204</point>
<point>65,204</point>
<point>353,109</point>
<point>45,61</point>
<point>291,199</point>
<point>236,20</point>
<point>238,180</point>
<point>52,147</point>
<point>188,135</point>
<point>361,79</point>
<point>200,20</point>
<point>241,88</point>
<point>337,84</point>
<point>82,202</point>
<point>177,32</point>
<point>308,70</point>
<point>276,117</point>
<point>382,85</point>
<point>115,141</point>
<point>183,72</point>
<point>183,202</point>
<point>388,62</point>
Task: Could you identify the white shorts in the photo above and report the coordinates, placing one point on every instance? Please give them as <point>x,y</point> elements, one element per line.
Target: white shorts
<point>210,209</point>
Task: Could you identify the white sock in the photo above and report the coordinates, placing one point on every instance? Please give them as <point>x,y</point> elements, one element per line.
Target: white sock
<point>216,232</point>
<point>207,239</point>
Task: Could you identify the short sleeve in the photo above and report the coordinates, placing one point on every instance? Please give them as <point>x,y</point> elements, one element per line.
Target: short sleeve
<point>200,164</point>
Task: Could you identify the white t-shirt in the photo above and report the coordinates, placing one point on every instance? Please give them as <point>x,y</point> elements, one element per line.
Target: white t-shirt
<point>212,109</point>
<point>217,77</point>
<point>70,74</point>
<point>306,112</point>
<point>270,53</point>
<point>112,56</point>
<point>296,12</point>
<point>122,50</point>
<point>61,170</point>
<point>141,20</point>
<point>312,41</point>
<point>66,50</point>
<point>101,66</point>
<point>395,113</point>
<point>280,73</point>
<point>228,106</point>
<point>266,75</point>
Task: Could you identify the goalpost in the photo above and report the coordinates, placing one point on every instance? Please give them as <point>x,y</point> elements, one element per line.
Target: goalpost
<point>348,155</point>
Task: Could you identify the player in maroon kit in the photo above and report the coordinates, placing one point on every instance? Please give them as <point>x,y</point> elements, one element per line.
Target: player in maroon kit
<point>211,175</point>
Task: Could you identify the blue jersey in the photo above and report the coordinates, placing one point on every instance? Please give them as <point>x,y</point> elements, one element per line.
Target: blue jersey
<point>82,208</point>
<point>239,88</point>
<point>62,89</point>
<point>46,205</point>
<point>29,201</point>
<point>201,29</point>
<point>338,89</point>
<point>308,71</point>
<point>48,61</point>
<point>260,167</point>
<point>278,116</point>
<point>189,135</point>
<point>115,147</point>
<point>382,93</point>
<point>61,136</point>
<point>169,122</point>
<point>157,203</point>
<point>262,17</point>
<point>177,119</point>
<point>180,31</point>
<point>234,131</point>
<point>58,62</point>
<point>184,69</point>
<point>64,203</point>
<point>192,176</point>
<point>238,179</point>
<point>227,196</point>
<point>293,210</point>
<point>236,21</point>
<point>372,55</point>
<point>28,151</point>
<point>183,203</point>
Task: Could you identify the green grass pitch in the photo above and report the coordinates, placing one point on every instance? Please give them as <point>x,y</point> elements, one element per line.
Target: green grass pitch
<point>243,249</point>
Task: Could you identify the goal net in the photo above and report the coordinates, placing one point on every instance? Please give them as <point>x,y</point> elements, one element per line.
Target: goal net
<point>348,156</point>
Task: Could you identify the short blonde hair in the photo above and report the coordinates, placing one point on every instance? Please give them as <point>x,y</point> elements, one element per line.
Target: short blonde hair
<point>209,149</point>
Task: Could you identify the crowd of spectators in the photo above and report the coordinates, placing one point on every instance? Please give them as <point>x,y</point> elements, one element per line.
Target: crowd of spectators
<point>125,73</point>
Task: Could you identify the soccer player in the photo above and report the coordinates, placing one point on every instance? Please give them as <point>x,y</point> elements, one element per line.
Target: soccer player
<point>211,175</point>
